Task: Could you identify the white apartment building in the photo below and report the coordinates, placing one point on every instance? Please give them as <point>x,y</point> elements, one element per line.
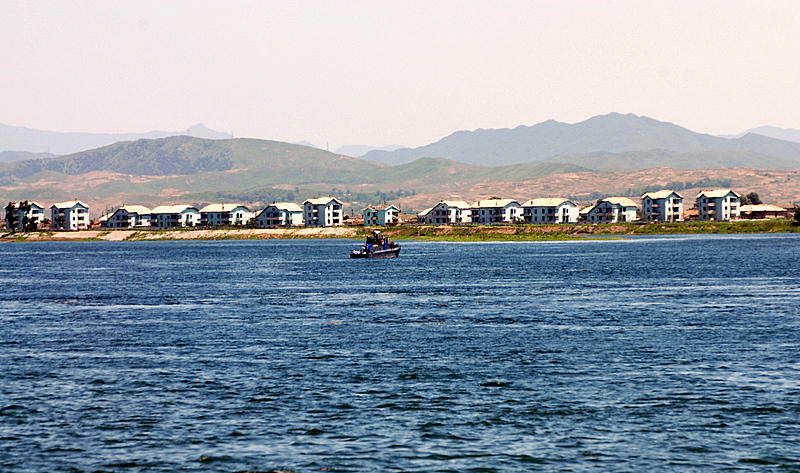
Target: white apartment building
<point>550,210</point>
<point>662,206</point>
<point>719,204</point>
<point>73,215</point>
<point>496,211</point>
<point>322,212</point>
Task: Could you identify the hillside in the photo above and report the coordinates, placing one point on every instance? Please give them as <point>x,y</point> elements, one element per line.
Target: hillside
<point>638,160</point>
<point>628,136</point>
<point>11,156</point>
<point>194,170</point>
<point>184,155</point>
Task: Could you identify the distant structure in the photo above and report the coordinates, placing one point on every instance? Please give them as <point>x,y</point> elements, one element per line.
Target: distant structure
<point>380,214</point>
<point>764,212</point>
<point>322,212</point>
<point>23,216</point>
<point>662,206</point>
<point>718,205</point>
<point>172,216</point>
<point>611,210</point>
<point>446,212</point>
<point>496,211</point>
<point>129,216</point>
<point>280,214</point>
<point>73,215</point>
<point>550,210</point>
<point>224,215</point>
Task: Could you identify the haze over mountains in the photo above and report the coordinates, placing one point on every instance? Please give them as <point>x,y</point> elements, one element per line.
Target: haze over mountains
<point>607,142</point>
<point>476,163</point>
<point>613,133</point>
<point>786,134</point>
<point>17,138</point>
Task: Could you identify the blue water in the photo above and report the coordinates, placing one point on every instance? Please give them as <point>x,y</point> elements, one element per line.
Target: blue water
<point>651,354</point>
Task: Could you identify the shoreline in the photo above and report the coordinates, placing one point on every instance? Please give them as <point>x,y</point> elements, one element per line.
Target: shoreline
<point>185,234</point>
<point>501,232</point>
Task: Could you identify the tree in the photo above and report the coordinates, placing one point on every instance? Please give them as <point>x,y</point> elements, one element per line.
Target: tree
<point>797,214</point>
<point>751,199</point>
<point>24,210</point>
<point>10,221</point>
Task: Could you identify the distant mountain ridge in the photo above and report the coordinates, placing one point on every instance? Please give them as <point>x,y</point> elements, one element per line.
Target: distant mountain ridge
<point>785,134</point>
<point>612,133</point>
<point>357,151</point>
<point>17,138</point>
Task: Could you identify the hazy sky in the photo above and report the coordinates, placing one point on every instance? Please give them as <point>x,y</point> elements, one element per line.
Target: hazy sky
<point>405,72</point>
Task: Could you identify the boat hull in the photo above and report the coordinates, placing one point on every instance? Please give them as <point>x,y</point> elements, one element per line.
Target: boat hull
<point>390,253</point>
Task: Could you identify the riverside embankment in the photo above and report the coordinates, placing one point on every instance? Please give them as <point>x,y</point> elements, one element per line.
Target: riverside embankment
<point>421,232</point>
<point>571,231</point>
<point>186,234</point>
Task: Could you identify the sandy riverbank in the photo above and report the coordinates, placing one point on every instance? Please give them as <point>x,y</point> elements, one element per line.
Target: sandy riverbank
<point>199,234</point>
<point>423,232</point>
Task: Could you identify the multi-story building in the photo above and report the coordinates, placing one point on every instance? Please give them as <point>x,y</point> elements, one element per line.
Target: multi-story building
<point>224,215</point>
<point>496,211</point>
<point>322,212</point>
<point>380,214</point>
<point>719,204</point>
<point>446,212</point>
<point>73,215</point>
<point>550,210</point>
<point>129,216</point>
<point>172,216</point>
<point>280,214</point>
<point>611,210</point>
<point>662,206</point>
<point>23,215</point>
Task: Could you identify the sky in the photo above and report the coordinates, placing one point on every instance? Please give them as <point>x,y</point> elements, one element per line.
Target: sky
<point>409,72</point>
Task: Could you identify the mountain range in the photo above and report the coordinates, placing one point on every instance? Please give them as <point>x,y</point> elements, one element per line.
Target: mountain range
<point>621,142</point>
<point>480,163</point>
<point>785,134</point>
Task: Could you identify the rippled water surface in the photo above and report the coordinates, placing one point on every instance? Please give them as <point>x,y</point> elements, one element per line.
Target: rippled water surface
<point>651,354</point>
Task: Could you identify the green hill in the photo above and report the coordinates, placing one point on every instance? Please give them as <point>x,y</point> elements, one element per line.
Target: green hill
<point>161,170</point>
<point>184,155</point>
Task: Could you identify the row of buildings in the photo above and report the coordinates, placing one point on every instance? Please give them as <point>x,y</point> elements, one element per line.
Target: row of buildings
<point>662,206</point>
<point>74,215</point>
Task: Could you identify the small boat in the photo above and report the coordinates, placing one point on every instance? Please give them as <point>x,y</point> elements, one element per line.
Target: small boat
<point>377,246</point>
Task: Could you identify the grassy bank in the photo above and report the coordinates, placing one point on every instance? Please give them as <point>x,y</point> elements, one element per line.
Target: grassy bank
<point>571,231</point>
<point>424,232</point>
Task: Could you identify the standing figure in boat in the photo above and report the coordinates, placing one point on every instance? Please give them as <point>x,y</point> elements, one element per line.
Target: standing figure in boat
<point>377,246</point>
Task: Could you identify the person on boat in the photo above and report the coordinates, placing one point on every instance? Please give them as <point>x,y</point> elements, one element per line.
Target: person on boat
<point>374,239</point>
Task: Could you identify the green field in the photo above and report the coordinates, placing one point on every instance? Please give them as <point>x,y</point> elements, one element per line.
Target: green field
<point>572,231</point>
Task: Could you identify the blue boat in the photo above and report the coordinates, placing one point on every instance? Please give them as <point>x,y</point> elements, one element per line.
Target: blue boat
<point>377,246</point>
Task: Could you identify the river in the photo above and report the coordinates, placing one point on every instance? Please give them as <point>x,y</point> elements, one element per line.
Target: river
<point>641,354</point>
